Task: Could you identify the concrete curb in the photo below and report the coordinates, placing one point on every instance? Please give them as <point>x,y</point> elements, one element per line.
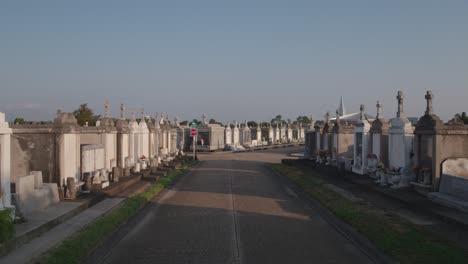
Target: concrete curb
<point>360,241</point>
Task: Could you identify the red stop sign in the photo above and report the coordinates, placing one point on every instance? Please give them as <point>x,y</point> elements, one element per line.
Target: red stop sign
<point>193,132</point>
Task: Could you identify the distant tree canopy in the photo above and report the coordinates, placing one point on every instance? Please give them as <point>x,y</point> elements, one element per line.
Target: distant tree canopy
<point>184,123</point>
<point>19,121</point>
<point>252,124</point>
<point>85,114</point>
<point>462,117</point>
<point>303,120</point>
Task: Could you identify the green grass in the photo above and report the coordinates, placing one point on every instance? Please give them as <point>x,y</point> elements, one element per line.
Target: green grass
<point>400,239</point>
<point>73,249</point>
<point>7,227</point>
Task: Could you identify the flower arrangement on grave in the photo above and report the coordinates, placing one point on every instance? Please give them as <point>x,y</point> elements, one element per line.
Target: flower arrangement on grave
<point>143,157</point>
<point>380,165</point>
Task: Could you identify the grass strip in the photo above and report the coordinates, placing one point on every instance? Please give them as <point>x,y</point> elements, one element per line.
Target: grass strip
<point>83,242</point>
<point>398,238</point>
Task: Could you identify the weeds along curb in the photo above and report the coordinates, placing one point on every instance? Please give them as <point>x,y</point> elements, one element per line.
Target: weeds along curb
<point>82,243</point>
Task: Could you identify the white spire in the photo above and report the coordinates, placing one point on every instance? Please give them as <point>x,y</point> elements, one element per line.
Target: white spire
<point>341,109</point>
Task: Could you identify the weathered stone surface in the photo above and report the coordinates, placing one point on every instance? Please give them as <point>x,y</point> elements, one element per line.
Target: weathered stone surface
<point>71,189</point>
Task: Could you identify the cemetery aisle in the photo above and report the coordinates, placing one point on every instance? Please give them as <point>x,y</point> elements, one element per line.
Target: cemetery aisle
<point>230,209</point>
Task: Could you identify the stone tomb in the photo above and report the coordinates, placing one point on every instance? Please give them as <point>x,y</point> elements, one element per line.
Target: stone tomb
<point>235,134</point>
<point>441,154</point>
<point>33,195</point>
<point>343,141</point>
<point>92,165</point>
<point>400,148</point>
<point>228,135</point>
<point>5,164</point>
<point>453,192</point>
<point>361,142</point>
<point>378,142</point>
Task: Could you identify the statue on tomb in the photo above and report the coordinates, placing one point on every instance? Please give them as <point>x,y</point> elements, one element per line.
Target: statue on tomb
<point>400,98</point>
<point>379,110</point>
<point>106,109</point>
<point>133,114</point>
<point>362,114</point>
<point>143,114</point>
<point>204,119</point>
<point>122,112</point>
<point>327,117</point>
<point>162,119</point>
<point>429,97</point>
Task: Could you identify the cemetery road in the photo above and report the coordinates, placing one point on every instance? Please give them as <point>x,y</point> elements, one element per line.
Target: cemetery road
<point>231,208</point>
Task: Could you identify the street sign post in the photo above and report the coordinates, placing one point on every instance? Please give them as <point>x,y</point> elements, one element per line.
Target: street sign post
<point>193,134</point>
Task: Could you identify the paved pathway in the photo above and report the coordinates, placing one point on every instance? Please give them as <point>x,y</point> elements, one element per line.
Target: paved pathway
<point>229,209</point>
<point>39,245</point>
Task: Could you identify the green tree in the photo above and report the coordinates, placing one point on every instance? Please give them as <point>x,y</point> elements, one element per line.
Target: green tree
<point>19,120</point>
<point>277,119</point>
<point>303,120</point>
<point>462,117</point>
<point>85,114</point>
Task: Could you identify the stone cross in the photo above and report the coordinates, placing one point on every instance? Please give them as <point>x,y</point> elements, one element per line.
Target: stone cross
<point>429,97</point>
<point>133,114</point>
<point>204,119</point>
<point>400,98</point>
<point>362,115</point>
<point>379,110</point>
<point>106,109</point>
<point>122,111</point>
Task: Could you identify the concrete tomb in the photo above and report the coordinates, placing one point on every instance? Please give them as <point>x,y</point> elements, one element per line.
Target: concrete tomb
<point>361,142</point>
<point>400,148</point>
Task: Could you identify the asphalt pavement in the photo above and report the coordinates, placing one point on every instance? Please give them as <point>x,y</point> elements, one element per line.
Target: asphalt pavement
<point>231,208</point>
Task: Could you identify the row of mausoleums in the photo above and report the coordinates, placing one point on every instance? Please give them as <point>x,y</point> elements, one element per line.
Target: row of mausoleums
<point>216,137</point>
<point>426,155</point>
<point>43,164</point>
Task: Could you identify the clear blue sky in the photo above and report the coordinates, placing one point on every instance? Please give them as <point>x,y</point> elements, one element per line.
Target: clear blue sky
<point>232,59</point>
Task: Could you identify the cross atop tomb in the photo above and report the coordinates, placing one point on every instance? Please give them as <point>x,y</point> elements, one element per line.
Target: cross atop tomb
<point>379,110</point>
<point>106,109</point>
<point>122,111</point>
<point>429,97</point>
<point>204,119</point>
<point>362,115</point>
<point>400,98</point>
<point>133,114</point>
